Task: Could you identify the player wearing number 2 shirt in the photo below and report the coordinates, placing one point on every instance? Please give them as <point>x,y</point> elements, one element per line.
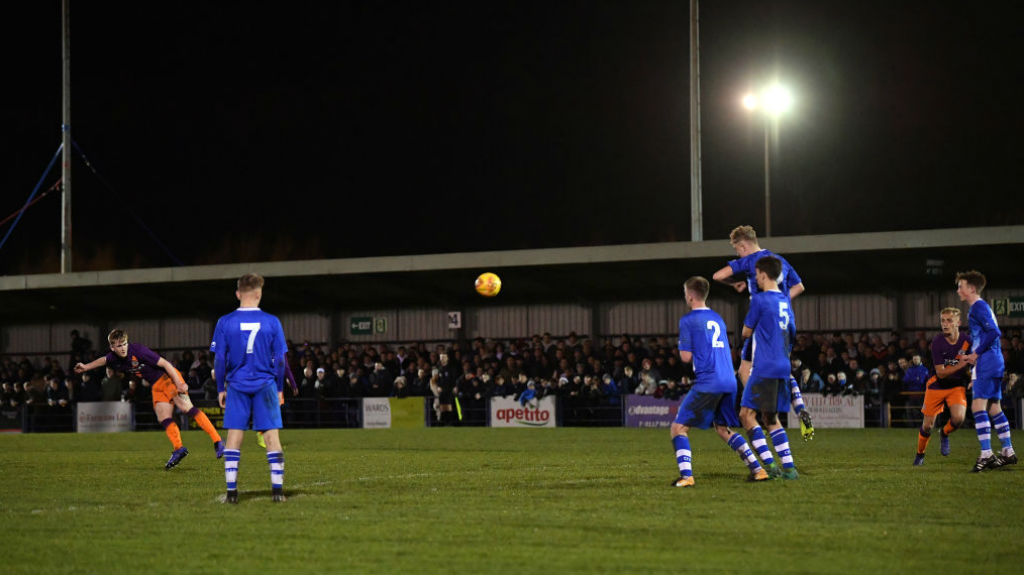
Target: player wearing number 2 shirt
<point>712,400</point>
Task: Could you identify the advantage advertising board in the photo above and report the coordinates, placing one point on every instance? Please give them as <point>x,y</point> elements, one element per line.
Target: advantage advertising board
<point>650,412</point>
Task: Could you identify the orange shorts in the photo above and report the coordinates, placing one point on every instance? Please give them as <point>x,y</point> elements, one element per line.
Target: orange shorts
<point>935,399</point>
<point>164,389</point>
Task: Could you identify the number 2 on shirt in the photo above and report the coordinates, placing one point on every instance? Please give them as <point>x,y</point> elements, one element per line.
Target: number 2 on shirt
<point>716,341</point>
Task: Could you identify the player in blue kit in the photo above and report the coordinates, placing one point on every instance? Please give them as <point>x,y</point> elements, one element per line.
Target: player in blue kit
<point>712,400</point>
<point>249,355</point>
<point>987,358</point>
<point>769,323</point>
<point>741,274</point>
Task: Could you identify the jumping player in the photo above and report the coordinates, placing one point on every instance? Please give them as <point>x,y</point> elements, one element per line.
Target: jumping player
<point>988,373</point>
<point>946,387</point>
<point>249,358</point>
<point>712,400</point>
<point>744,241</point>
<point>169,389</point>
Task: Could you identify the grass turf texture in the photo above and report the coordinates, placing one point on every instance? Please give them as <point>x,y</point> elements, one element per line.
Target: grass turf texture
<point>461,500</point>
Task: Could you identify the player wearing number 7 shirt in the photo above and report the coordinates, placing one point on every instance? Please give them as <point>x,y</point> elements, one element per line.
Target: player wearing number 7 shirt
<point>249,358</point>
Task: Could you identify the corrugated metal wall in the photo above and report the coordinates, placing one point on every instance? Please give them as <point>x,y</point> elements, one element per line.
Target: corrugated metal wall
<point>862,312</point>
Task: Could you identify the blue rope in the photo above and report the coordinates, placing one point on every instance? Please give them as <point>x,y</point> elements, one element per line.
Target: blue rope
<point>138,220</point>
<point>32,195</point>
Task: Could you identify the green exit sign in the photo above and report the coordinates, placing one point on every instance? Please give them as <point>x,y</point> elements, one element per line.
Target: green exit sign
<point>360,325</point>
<point>1012,307</point>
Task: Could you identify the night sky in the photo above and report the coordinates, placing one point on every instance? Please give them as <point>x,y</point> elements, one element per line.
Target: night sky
<point>254,131</point>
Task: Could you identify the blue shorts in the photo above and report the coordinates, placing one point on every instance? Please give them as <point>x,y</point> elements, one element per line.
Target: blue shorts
<point>766,395</point>
<point>701,409</point>
<point>988,388</point>
<point>263,406</point>
<point>745,352</point>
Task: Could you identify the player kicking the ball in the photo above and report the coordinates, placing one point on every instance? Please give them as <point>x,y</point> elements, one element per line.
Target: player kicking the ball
<point>712,400</point>
<point>169,389</point>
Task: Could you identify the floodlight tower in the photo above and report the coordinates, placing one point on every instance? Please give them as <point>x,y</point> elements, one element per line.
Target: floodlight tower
<point>773,101</point>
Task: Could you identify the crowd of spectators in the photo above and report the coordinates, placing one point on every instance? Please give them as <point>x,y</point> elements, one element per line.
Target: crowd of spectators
<point>878,366</point>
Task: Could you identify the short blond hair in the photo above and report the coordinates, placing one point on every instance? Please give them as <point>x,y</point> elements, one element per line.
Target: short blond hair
<point>249,282</point>
<point>742,233</point>
<point>952,311</point>
<point>116,335</point>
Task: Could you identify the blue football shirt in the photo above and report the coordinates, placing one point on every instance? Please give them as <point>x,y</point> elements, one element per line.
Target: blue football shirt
<point>771,319</point>
<point>985,335</point>
<point>702,332</point>
<point>747,265</point>
<point>249,350</point>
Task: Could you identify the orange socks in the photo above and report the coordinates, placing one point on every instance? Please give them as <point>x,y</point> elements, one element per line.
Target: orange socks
<point>204,422</point>
<point>173,434</point>
<point>922,442</point>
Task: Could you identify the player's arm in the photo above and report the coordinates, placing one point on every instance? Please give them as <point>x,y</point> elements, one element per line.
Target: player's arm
<point>796,290</point>
<point>179,382</point>
<point>101,361</point>
<point>219,364</point>
<point>290,378</point>
<point>686,356</point>
<point>747,332</point>
<point>725,274</point>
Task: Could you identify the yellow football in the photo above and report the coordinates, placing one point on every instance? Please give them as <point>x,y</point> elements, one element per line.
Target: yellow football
<point>488,284</point>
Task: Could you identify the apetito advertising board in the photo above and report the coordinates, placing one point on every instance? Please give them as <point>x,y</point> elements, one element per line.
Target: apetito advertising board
<point>506,412</point>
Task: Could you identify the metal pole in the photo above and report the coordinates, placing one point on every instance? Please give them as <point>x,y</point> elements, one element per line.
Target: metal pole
<point>65,227</point>
<point>696,204</point>
<point>767,177</point>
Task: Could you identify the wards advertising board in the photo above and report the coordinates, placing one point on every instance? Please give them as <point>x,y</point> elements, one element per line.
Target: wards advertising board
<point>376,413</point>
<point>506,412</point>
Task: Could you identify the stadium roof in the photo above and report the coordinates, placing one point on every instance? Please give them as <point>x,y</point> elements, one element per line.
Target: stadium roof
<point>842,263</point>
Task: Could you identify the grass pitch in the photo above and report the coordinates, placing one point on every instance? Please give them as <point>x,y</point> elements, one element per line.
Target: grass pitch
<point>479,500</point>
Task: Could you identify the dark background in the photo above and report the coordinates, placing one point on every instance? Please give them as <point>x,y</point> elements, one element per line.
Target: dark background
<point>253,131</point>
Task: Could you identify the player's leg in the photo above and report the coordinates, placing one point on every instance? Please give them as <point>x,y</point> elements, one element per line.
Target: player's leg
<point>237,410</point>
<point>725,416</point>
<point>780,440</point>
<point>933,405</point>
<point>982,425</point>
<point>266,416</point>
<point>164,410</point>
<point>956,403</point>
<point>923,436</point>
<point>681,445</point>
<point>1002,428</point>
<point>746,358</point>
<point>806,425</point>
<point>758,441</point>
<point>184,403</point>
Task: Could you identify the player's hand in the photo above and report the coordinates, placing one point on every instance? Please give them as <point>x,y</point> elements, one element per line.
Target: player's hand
<point>182,387</point>
<point>79,368</point>
<point>221,397</point>
<point>739,286</point>
<point>295,390</point>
